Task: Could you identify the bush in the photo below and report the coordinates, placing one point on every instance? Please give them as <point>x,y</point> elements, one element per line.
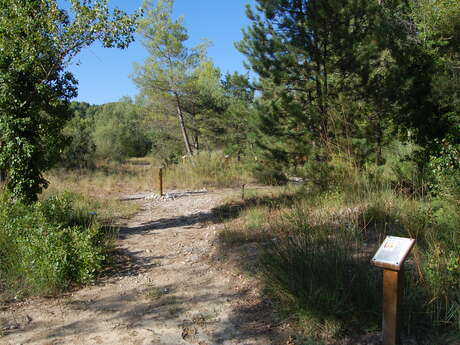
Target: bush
<point>80,151</point>
<point>445,167</point>
<point>120,133</point>
<point>47,246</point>
<point>269,175</point>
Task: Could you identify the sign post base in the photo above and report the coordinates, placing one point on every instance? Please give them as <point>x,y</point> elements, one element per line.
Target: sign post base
<point>392,296</point>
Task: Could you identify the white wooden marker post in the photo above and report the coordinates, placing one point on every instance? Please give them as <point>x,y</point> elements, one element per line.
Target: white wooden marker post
<point>391,256</point>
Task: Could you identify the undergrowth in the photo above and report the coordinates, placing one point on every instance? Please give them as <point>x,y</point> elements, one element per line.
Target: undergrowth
<point>207,169</point>
<point>48,246</point>
<point>59,242</point>
<point>315,249</point>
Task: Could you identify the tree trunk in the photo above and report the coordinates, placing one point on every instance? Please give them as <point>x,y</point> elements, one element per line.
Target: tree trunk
<point>379,140</point>
<point>197,145</point>
<point>180,115</point>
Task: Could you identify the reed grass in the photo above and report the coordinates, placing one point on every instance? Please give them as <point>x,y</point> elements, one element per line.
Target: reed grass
<point>207,170</point>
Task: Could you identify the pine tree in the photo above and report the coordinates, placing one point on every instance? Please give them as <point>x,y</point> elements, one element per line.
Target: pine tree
<point>301,51</point>
<point>168,71</point>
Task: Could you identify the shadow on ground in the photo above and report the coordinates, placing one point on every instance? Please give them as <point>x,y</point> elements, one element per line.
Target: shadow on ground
<point>219,214</point>
<point>139,308</point>
<point>125,313</point>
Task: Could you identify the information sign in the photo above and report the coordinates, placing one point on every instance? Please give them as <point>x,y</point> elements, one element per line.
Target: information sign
<point>393,252</point>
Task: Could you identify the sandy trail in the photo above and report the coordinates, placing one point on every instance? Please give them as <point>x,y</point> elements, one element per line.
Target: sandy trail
<point>169,288</point>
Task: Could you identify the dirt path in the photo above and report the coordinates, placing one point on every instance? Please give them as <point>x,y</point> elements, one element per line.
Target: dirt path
<point>169,288</point>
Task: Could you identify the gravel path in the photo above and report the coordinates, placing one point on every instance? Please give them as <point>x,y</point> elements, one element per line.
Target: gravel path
<point>169,288</point>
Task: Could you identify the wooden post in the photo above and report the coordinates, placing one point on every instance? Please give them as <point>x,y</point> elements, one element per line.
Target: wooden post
<point>160,178</point>
<point>391,256</point>
<point>392,296</point>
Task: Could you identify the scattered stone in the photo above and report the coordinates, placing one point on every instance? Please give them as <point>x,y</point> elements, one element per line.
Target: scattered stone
<point>173,195</point>
<point>189,332</point>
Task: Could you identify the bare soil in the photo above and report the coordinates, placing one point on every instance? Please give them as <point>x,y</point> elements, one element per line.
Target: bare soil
<point>169,286</point>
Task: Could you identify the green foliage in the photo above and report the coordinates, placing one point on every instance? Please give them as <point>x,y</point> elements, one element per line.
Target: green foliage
<point>83,109</point>
<point>168,73</point>
<point>80,149</point>
<point>208,169</point>
<point>437,22</point>
<point>344,77</point>
<point>37,41</point>
<point>167,146</point>
<point>235,119</point>
<point>119,132</point>
<point>316,252</point>
<point>48,246</point>
<point>296,48</point>
<point>445,169</point>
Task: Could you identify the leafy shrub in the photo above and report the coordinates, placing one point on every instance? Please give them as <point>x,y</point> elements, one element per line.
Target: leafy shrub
<point>335,173</point>
<point>80,150</point>
<point>269,175</point>
<point>119,132</point>
<point>44,248</point>
<point>402,169</point>
<point>445,167</point>
<point>319,173</point>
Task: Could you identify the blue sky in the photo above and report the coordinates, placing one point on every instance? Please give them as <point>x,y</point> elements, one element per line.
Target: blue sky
<point>103,74</point>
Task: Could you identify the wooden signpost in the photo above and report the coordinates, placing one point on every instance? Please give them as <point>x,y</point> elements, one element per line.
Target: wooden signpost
<point>391,256</point>
<point>160,178</point>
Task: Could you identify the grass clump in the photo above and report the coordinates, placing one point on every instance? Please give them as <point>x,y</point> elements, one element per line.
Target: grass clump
<point>316,251</point>
<point>320,267</point>
<point>154,292</point>
<point>100,189</point>
<point>319,271</point>
<point>48,246</point>
<point>207,169</point>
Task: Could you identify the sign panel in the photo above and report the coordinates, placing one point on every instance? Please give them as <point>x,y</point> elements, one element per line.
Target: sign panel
<point>393,252</point>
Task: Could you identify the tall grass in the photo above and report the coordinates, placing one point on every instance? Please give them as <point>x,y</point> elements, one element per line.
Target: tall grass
<point>316,263</point>
<point>207,169</point>
<point>100,189</point>
<point>110,180</point>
